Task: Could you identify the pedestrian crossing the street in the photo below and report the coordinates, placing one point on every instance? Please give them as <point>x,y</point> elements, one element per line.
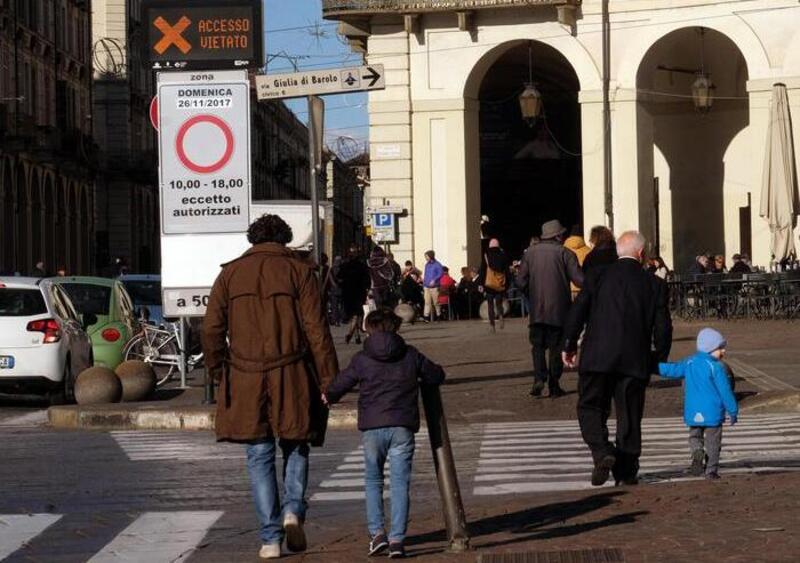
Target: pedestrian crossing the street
<point>155,537</point>
<point>531,457</point>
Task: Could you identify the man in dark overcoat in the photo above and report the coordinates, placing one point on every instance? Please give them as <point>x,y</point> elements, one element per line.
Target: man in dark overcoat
<point>625,312</point>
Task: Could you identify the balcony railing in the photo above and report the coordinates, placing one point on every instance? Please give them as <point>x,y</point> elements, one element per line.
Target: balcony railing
<point>352,7</point>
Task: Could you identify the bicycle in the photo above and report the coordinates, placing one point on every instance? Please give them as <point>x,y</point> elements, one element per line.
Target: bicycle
<point>162,348</point>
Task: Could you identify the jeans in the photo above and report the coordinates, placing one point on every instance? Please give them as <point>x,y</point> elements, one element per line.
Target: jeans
<point>264,484</point>
<point>708,439</point>
<point>595,393</point>
<point>396,443</point>
<point>546,338</point>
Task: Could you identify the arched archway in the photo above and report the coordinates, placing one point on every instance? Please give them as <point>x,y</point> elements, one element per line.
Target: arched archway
<point>84,228</point>
<point>530,172</point>
<point>688,148</point>
<point>37,238</point>
<point>62,226</point>
<point>73,226</point>
<point>23,214</point>
<point>8,245</point>
<point>49,214</point>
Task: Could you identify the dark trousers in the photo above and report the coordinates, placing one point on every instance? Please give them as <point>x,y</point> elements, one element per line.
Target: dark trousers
<point>495,303</point>
<point>546,341</point>
<point>595,393</point>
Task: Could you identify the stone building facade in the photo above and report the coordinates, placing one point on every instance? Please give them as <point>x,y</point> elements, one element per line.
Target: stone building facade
<point>47,185</point>
<point>619,140</point>
<point>127,197</point>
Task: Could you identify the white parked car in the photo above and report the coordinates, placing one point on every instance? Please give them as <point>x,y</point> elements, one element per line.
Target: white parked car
<point>43,345</point>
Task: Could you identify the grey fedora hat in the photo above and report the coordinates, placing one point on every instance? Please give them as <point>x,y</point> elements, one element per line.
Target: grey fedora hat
<point>552,229</point>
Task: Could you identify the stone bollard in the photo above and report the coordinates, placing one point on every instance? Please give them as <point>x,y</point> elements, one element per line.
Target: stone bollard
<point>405,312</point>
<point>138,380</point>
<point>97,385</point>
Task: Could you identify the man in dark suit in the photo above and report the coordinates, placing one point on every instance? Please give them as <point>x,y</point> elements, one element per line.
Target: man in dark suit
<point>628,329</point>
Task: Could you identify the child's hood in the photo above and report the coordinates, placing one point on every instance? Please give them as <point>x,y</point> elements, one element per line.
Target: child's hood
<point>385,346</point>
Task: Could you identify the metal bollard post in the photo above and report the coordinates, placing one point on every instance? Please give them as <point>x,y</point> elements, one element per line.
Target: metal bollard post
<point>452,505</point>
<point>182,367</point>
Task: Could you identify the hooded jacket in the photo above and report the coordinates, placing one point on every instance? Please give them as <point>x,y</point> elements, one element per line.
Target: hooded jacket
<point>707,391</point>
<point>388,373</point>
<point>381,272</point>
<point>577,245</point>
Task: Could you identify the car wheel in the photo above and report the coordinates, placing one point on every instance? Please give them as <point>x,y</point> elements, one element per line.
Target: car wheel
<point>60,394</point>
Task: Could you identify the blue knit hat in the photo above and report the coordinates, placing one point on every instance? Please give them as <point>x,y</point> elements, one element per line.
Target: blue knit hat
<point>709,340</point>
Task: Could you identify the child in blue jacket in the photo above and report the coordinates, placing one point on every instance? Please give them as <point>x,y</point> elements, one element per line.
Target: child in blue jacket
<point>707,396</point>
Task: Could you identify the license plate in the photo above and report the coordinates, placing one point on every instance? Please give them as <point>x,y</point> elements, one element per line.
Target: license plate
<point>6,362</point>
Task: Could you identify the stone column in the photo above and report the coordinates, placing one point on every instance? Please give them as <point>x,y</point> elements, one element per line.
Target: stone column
<point>390,133</point>
<point>447,181</point>
<point>593,161</point>
<point>632,165</point>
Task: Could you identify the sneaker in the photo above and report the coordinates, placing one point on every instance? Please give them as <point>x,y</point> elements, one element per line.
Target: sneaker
<point>556,392</point>
<point>295,535</point>
<point>378,544</point>
<point>396,550</point>
<point>602,470</point>
<point>713,476</point>
<point>629,481</point>
<point>270,551</point>
<point>538,387</point>
<point>698,463</point>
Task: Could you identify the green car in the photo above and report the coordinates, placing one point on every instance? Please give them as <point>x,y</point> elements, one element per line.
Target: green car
<point>111,318</point>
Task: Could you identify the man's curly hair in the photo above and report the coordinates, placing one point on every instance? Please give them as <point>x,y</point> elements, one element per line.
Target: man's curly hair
<point>269,228</point>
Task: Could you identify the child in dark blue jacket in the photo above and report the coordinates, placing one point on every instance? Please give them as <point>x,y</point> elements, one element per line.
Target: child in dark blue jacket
<point>707,396</point>
<point>388,373</point>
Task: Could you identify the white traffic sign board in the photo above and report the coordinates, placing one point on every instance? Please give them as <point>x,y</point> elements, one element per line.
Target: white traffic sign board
<point>318,82</point>
<point>384,227</point>
<point>204,152</point>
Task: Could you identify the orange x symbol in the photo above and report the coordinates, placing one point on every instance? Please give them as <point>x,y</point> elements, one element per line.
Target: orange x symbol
<point>172,35</point>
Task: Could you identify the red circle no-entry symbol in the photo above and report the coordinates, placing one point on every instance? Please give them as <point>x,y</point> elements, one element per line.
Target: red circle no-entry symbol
<point>181,150</point>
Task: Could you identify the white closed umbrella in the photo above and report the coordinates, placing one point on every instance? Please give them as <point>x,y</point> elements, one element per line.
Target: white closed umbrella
<point>779,205</point>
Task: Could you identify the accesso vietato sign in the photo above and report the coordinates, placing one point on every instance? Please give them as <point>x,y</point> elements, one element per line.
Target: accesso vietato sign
<point>203,34</point>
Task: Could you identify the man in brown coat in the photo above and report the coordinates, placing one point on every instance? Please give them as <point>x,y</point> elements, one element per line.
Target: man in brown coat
<point>267,344</point>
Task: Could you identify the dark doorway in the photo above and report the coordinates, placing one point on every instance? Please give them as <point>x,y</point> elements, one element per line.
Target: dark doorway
<point>530,172</point>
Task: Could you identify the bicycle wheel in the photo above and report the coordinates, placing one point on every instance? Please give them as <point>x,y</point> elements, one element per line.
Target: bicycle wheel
<point>161,352</point>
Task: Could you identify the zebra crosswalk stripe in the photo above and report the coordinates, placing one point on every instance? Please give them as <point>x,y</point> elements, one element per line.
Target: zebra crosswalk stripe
<point>161,446</point>
<point>16,530</point>
<point>159,537</point>
<point>531,457</point>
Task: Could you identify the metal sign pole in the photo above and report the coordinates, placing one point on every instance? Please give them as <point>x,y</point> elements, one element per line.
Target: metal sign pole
<point>182,351</point>
<point>316,114</point>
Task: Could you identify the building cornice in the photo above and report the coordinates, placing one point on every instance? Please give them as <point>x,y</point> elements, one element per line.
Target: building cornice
<point>348,8</point>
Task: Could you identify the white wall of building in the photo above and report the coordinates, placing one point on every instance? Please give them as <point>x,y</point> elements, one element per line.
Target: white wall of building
<point>423,131</point>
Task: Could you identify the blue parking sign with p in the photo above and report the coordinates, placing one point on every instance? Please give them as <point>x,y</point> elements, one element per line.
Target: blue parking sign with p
<point>383,219</point>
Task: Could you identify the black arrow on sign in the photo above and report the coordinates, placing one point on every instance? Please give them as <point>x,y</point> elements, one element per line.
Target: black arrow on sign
<point>373,76</point>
